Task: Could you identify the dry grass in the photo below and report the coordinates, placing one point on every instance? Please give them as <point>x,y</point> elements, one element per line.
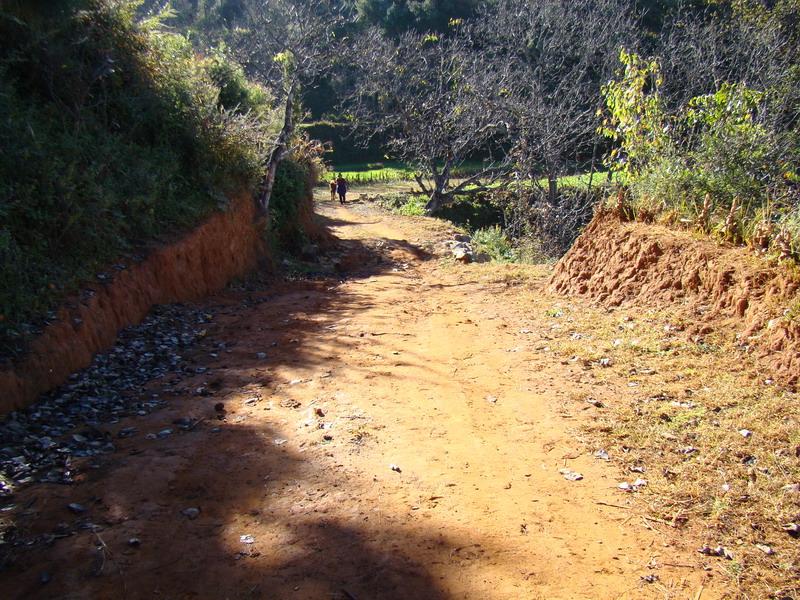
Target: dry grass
<point>677,407</point>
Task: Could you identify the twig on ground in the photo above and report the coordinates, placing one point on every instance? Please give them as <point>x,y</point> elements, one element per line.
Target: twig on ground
<point>612,505</point>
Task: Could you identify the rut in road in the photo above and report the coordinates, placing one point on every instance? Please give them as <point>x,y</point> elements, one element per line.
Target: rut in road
<point>396,434</point>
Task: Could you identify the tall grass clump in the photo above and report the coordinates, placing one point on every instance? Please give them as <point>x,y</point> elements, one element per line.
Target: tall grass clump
<point>493,241</point>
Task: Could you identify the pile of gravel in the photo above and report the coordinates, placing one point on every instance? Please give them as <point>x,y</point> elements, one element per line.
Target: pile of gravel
<point>38,443</point>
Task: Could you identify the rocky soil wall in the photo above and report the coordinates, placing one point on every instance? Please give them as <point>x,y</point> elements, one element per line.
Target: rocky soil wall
<point>226,246</point>
<point>709,286</point>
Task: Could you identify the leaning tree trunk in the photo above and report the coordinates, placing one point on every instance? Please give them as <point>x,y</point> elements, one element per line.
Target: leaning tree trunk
<point>279,152</point>
<point>552,188</point>
<point>435,202</point>
<point>438,196</point>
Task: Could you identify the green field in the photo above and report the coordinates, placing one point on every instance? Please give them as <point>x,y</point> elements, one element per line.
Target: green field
<point>389,171</point>
<point>361,173</point>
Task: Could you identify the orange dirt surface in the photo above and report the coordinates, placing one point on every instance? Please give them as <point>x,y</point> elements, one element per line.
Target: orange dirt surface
<point>401,439</point>
<point>711,286</point>
<point>226,246</point>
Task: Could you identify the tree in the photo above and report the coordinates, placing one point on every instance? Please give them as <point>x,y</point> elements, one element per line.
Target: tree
<point>288,44</point>
<point>559,53</point>
<point>398,16</point>
<point>428,96</point>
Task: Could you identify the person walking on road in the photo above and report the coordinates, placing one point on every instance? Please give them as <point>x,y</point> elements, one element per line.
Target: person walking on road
<point>341,188</point>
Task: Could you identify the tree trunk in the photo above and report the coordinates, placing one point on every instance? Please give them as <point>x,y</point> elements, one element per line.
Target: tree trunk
<point>591,169</point>
<point>278,153</point>
<point>552,188</point>
<point>438,195</point>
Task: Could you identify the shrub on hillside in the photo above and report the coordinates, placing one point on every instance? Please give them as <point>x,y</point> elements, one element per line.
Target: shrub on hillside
<point>112,132</point>
<point>493,241</point>
<point>722,161</point>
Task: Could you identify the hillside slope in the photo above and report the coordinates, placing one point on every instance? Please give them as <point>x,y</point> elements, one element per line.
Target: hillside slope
<point>707,287</point>
<point>114,134</point>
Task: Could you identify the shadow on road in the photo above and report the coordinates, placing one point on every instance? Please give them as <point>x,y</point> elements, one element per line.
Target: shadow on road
<point>318,530</point>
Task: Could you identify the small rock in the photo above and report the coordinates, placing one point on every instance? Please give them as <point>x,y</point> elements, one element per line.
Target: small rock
<point>793,529</point>
<point>164,433</point>
<point>76,508</point>
<point>134,542</point>
<point>491,399</point>
<point>745,433</point>
<point>261,355</point>
<point>632,487</point>
<point>602,455</point>
<point>327,437</point>
<point>44,577</point>
<point>219,407</point>
<point>191,513</point>
<point>718,551</point>
<point>765,549</point>
<point>279,441</point>
<point>395,468</point>
<point>462,254</point>
<point>570,475</point>
<point>683,404</point>
<point>791,488</point>
<point>319,412</point>
<point>309,251</point>
<point>652,578</point>
<point>247,539</point>
<point>595,402</point>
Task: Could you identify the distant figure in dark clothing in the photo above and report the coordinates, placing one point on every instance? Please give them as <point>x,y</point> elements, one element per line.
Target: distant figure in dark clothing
<point>341,188</point>
<point>333,190</point>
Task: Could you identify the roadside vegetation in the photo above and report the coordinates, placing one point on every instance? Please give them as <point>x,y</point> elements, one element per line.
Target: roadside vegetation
<point>725,162</point>
<point>113,132</point>
<point>714,437</point>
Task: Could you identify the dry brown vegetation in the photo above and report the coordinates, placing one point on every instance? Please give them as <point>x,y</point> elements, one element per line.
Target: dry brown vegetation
<point>716,439</point>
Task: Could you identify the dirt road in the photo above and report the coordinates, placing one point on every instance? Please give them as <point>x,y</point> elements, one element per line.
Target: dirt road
<point>395,434</point>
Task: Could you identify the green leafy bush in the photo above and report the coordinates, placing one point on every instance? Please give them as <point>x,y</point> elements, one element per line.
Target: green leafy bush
<point>414,207</point>
<point>493,241</point>
<point>719,161</point>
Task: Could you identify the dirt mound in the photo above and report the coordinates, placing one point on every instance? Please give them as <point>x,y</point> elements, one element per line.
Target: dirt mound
<point>709,286</point>
<point>226,246</point>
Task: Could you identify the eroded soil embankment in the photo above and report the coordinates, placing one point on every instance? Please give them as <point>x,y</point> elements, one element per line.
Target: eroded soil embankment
<point>709,286</point>
<point>226,246</point>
